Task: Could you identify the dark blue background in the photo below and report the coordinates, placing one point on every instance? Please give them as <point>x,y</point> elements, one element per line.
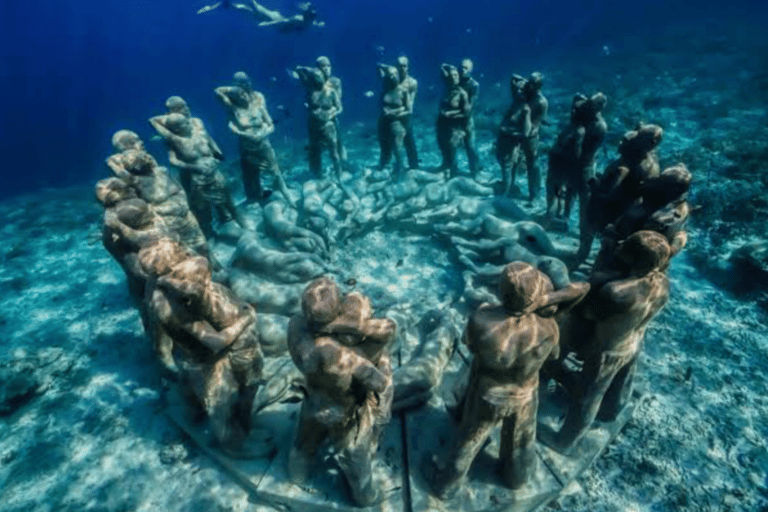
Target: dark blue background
<point>73,73</point>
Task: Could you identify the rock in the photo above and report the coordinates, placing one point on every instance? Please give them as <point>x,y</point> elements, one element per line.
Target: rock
<point>750,263</point>
<point>17,388</point>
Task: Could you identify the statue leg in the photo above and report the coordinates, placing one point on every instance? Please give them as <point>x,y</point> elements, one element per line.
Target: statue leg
<point>308,436</point>
<point>385,146</point>
<point>443,141</point>
<point>410,144</point>
<point>534,180</point>
<point>599,372</point>
<point>473,160</point>
<point>221,397</point>
<point>477,422</point>
<point>397,133</point>
<point>314,152</point>
<point>518,442</point>
<point>201,209</point>
<point>619,393</point>
<point>249,166</point>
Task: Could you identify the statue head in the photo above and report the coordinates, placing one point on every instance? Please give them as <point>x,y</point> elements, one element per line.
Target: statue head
<point>522,286</point>
<point>402,66</point>
<point>641,141</point>
<point>597,102</point>
<point>324,65</point>
<point>643,252</point>
<point>533,84</point>
<point>161,256</point>
<point>466,67</point>
<point>453,75</point>
<point>242,80</point>
<point>111,191</point>
<point>138,162</point>
<point>177,105</point>
<point>321,301</point>
<point>391,76</point>
<point>178,124</point>
<point>126,139</point>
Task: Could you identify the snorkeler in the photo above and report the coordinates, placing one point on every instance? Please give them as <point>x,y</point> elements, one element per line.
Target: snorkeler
<point>306,18</point>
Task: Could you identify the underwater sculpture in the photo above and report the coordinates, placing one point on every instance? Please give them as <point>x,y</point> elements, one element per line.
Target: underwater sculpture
<point>344,354</point>
<point>191,148</point>
<point>177,105</point>
<point>510,342</point>
<point>280,224</point>
<point>129,224</point>
<point>154,185</point>
<point>250,121</point>
<point>411,86</point>
<point>572,158</point>
<point>619,186</point>
<point>395,105</point>
<point>529,146</point>
<point>220,359</point>
<point>452,118</point>
<point>472,88</point>
<point>608,334</point>
<point>323,105</point>
<point>515,127</point>
<point>662,207</point>
<point>323,63</point>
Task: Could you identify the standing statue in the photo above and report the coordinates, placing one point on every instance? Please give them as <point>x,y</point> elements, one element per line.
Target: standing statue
<point>395,106</point>
<point>323,104</point>
<point>572,158</point>
<point>451,120</point>
<point>177,105</point>
<point>515,127</point>
<point>250,121</point>
<point>619,186</point>
<point>472,88</point>
<point>193,150</point>
<point>510,343</point>
<point>323,63</point>
<point>612,323</point>
<point>343,353</point>
<point>411,86</point>
<point>530,145</point>
<point>216,333</point>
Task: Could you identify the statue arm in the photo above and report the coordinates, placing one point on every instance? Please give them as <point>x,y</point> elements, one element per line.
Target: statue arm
<point>159,126</point>
<point>113,162</point>
<point>221,93</point>
<point>217,152</point>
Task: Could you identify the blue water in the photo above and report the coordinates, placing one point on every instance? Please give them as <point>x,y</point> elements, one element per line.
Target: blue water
<point>72,73</point>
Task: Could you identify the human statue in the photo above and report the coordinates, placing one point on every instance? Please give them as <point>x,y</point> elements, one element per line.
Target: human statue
<point>510,342</point>
<point>250,121</point>
<point>395,106</point>
<point>619,186</point>
<point>215,334</point>
<point>154,185</point>
<point>277,266</point>
<point>609,333</point>
<point>530,145</point>
<point>129,224</point>
<point>572,158</point>
<point>177,105</point>
<point>662,207</point>
<point>304,19</point>
<point>344,354</point>
<point>472,88</point>
<point>411,86</point>
<point>323,63</point>
<point>124,140</point>
<point>323,105</point>
<point>193,150</point>
<point>281,224</point>
<point>515,127</point>
<point>452,118</point>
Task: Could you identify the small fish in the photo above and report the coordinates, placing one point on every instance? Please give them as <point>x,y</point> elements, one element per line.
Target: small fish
<point>380,49</point>
<point>351,281</point>
<point>155,138</point>
<point>273,78</point>
<point>430,19</point>
<point>369,94</point>
<point>469,31</point>
<point>606,50</point>
<point>497,84</point>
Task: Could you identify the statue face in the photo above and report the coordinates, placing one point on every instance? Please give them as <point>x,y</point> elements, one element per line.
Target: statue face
<point>402,68</point>
<point>466,67</point>
<point>325,69</point>
<point>454,76</point>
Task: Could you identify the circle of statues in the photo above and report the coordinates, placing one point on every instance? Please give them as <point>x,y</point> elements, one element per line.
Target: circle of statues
<point>214,326</point>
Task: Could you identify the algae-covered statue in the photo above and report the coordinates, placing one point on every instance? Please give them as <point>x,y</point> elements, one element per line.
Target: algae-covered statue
<point>251,122</point>
<point>572,158</point>
<point>152,183</point>
<point>411,86</point>
<point>514,128</point>
<point>620,185</point>
<point>472,88</point>
<point>452,115</point>
<point>608,334</point>
<point>510,342</point>
<point>343,352</point>
<point>395,105</point>
<point>191,148</point>
<point>215,332</point>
